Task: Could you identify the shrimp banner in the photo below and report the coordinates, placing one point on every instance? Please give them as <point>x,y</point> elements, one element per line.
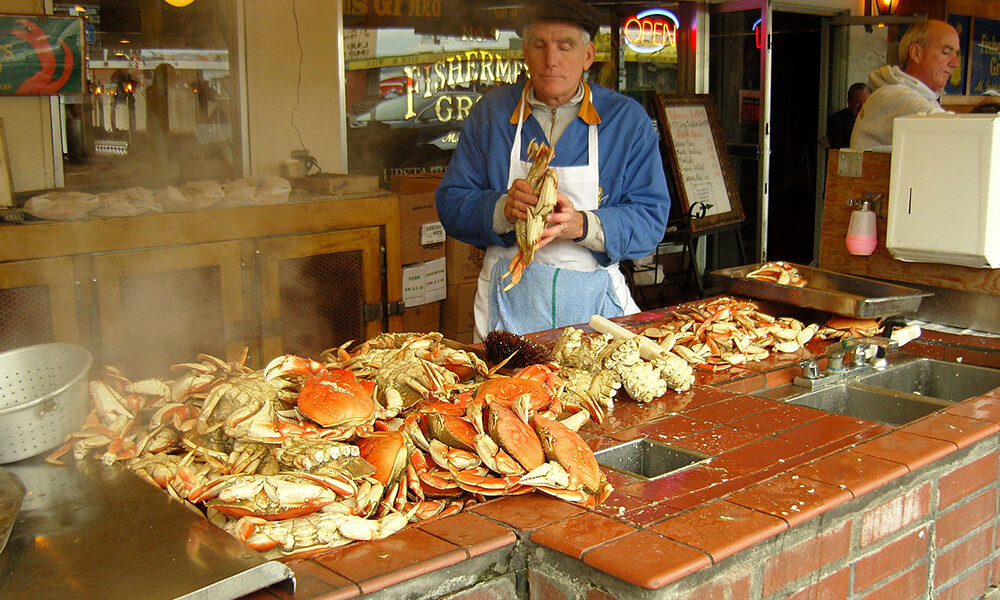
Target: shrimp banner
<point>41,55</point>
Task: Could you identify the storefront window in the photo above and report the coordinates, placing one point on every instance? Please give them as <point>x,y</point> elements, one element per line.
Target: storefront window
<point>412,81</point>
<point>409,93</point>
<point>649,44</point>
<point>161,101</point>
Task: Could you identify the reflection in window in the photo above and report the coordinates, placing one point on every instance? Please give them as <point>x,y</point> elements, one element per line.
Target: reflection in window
<point>161,101</point>
<point>408,94</point>
<point>412,81</point>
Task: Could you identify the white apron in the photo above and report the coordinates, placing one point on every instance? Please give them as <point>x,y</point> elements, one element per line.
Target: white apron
<point>595,289</point>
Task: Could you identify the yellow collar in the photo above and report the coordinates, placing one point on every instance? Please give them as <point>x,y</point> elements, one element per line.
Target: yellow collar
<point>587,111</point>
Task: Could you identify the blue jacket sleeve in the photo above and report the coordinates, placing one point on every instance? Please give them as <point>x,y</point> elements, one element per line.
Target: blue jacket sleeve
<point>476,177</point>
<point>635,203</point>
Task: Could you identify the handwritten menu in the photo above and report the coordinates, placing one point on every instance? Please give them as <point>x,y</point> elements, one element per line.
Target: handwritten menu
<point>697,159</point>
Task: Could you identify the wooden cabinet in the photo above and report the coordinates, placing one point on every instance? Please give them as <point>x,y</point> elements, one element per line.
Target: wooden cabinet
<point>163,306</point>
<point>317,291</point>
<point>37,303</point>
<point>147,292</point>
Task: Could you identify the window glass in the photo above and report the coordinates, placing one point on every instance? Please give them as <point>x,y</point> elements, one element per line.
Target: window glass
<point>161,101</point>
<point>412,81</point>
<point>408,93</point>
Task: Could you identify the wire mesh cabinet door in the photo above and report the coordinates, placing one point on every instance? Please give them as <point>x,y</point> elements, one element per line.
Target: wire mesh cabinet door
<point>37,303</point>
<point>163,306</point>
<point>315,289</point>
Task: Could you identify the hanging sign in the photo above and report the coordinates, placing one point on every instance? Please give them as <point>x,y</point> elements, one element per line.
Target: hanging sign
<point>650,31</point>
<point>41,55</point>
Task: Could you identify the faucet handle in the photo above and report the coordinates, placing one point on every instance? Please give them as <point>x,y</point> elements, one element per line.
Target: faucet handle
<point>860,355</point>
<point>810,370</point>
<point>835,362</point>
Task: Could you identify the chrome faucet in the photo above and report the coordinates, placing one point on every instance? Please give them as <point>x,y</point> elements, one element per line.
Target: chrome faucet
<point>861,344</point>
<point>836,369</point>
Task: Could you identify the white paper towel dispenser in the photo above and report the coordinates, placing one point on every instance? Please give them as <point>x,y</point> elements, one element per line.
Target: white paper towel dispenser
<point>944,192</point>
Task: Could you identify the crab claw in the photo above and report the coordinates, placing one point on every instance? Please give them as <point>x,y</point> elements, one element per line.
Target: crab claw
<point>290,364</point>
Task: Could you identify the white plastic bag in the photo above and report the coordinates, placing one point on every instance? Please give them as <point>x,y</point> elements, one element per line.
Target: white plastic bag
<point>273,190</point>
<point>171,199</point>
<point>126,203</point>
<point>203,194</point>
<point>62,205</point>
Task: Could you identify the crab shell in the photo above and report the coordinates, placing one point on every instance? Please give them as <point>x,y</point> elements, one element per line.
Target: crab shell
<point>387,452</point>
<point>274,497</point>
<point>336,399</point>
<point>514,435</point>
<point>566,447</point>
<point>505,390</point>
<point>452,430</point>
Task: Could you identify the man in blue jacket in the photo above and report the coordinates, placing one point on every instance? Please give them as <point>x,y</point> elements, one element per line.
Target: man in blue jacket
<point>612,202</point>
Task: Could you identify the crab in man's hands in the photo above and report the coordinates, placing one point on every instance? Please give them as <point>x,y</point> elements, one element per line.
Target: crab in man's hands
<point>529,229</point>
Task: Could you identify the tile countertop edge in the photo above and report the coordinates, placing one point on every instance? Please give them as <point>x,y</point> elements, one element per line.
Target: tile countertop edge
<point>913,446</point>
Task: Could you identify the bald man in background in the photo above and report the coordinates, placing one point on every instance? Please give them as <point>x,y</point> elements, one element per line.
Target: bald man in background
<point>928,53</point>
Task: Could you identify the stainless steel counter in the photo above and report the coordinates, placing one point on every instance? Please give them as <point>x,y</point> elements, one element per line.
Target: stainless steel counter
<point>87,531</point>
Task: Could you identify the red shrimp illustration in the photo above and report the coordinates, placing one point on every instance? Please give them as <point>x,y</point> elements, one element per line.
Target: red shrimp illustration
<point>41,83</point>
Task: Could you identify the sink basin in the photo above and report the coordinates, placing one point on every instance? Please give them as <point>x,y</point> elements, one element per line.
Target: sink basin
<point>868,404</point>
<point>935,378</point>
<point>910,388</point>
<point>646,459</point>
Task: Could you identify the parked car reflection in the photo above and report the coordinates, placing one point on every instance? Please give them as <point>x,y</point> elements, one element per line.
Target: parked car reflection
<point>407,131</point>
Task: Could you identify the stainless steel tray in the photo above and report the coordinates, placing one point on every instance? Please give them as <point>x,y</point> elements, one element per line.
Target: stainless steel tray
<point>825,290</point>
<point>11,496</point>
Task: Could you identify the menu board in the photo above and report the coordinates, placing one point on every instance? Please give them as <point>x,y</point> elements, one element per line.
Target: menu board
<point>699,160</point>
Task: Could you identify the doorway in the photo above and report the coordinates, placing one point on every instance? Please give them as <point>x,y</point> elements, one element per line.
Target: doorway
<point>773,148</point>
<point>796,49</point>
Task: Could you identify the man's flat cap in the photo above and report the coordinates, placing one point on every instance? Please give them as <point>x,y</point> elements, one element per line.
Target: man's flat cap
<point>569,11</point>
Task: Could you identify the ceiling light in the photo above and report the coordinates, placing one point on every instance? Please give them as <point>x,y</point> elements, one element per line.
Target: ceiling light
<point>886,7</point>
<point>179,2</point>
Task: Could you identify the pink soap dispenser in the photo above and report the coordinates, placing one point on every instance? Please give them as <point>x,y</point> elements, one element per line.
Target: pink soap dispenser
<point>862,237</point>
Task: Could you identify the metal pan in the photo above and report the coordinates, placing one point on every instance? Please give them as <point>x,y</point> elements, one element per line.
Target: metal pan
<point>828,291</point>
<point>11,496</point>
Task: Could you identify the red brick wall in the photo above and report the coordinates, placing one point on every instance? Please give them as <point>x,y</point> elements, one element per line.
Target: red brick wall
<point>932,534</point>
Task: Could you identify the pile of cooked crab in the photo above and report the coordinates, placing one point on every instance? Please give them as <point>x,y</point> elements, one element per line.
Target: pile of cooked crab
<point>306,454</point>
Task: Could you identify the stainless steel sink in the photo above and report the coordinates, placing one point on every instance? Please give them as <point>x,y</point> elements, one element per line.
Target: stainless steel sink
<point>936,379</point>
<point>860,402</point>
<point>646,459</point>
<point>910,388</point>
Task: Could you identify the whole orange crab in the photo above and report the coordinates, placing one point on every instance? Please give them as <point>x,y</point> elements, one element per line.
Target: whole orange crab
<point>336,399</point>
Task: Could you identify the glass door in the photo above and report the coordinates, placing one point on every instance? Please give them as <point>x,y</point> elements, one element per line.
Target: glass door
<point>739,61</point>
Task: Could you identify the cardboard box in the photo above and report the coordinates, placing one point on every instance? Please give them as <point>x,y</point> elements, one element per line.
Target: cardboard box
<point>418,183</point>
<point>422,319</point>
<point>458,308</point>
<point>464,261</point>
<point>336,183</point>
<point>422,235</point>
<point>424,282</point>
<point>464,337</point>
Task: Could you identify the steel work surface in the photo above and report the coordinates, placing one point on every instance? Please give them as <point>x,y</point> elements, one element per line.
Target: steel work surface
<point>90,531</point>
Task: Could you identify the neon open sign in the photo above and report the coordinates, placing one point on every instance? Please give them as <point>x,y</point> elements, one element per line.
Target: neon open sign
<point>651,30</point>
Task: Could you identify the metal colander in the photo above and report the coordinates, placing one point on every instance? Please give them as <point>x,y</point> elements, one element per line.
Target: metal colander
<point>43,397</point>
